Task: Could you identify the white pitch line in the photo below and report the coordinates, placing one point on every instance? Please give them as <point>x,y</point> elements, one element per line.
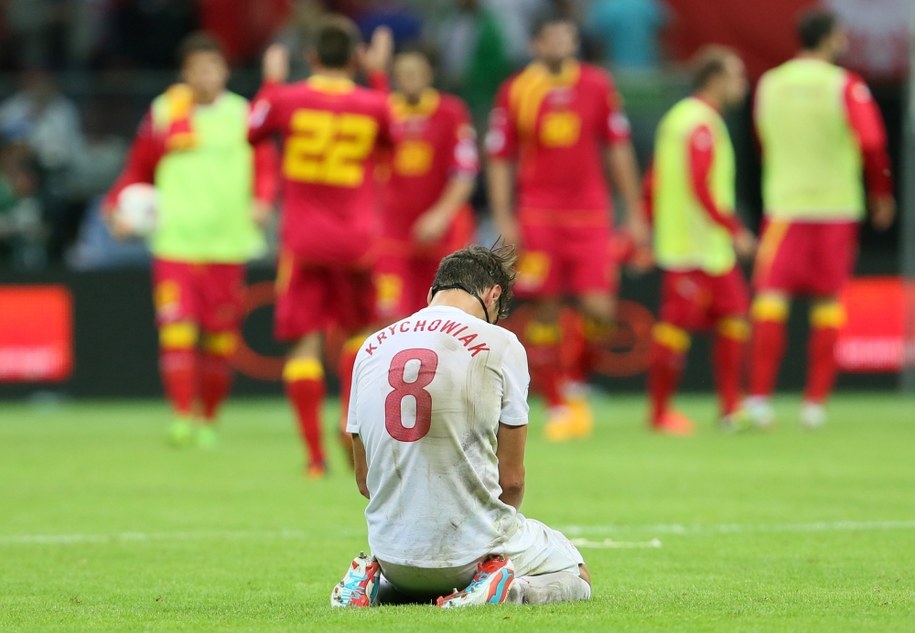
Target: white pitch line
<point>609,543</point>
<point>577,532</point>
<point>740,528</point>
<point>144,537</point>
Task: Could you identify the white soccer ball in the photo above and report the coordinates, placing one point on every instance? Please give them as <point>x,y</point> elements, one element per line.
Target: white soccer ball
<point>137,208</point>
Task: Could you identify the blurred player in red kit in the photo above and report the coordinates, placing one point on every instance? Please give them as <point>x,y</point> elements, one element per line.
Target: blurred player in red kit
<point>557,124</point>
<point>331,130</point>
<point>696,238</point>
<point>819,129</point>
<point>433,168</point>
<point>425,213</point>
<point>191,145</point>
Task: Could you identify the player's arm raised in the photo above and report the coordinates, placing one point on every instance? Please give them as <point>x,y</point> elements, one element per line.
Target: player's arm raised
<point>500,178</point>
<point>276,71</point>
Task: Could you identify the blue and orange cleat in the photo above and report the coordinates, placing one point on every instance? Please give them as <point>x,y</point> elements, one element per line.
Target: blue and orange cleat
<point>490,585</point>
<point>359,587</point>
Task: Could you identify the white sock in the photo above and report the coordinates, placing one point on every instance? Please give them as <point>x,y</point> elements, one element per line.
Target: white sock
<point>561,586</point>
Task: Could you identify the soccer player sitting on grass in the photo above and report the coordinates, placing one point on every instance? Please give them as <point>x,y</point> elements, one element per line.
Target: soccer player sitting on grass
<point>438,413</point>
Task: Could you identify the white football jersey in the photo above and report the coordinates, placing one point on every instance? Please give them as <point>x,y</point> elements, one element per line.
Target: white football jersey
<point>428,395</point>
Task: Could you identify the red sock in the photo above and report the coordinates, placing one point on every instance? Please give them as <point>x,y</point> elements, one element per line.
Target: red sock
<point>821,363</point>
<point>665,368</point>
<point>304,379</point>
<point>573,347</point>
<point>178,368</point>
<point>544,356</point>
<point>215,383</point>
<point>766,350</point>
<point>727,358</point>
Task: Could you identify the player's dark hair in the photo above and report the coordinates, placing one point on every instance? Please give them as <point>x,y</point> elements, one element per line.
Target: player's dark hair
<point>199,42</point>
<point>814,26</point>
<point>547,19</point>
<point>475,269</point>
<point>422,49</point>
<point>708,63</point>
<point>336,41</point>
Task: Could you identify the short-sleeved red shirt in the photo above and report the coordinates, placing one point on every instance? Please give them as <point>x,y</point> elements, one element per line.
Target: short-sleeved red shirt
<point>331,130</point>
<point>433,143</point>
<point>556,127</point>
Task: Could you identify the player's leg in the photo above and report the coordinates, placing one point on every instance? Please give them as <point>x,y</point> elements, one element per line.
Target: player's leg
<point>491,584</point>
<point>598,325</point>
<point>730,302</point>
<point>538,282</point>
<point>223,299</point>
<point>837,245</point>
<point>592,277</point>
<point>826,317</point>
<point>682,307</point>
<point>303,375</point>
<point>781,253</point>
<point>548,567</point>
<point>176,319</point>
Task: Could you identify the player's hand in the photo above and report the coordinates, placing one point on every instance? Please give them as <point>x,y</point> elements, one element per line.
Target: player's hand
<point>276,63</point>
<point>377,56</point>
<point>261,211</point>
<point>509,230</point>
<point>638,229</point>
<point>116,226</point>
<point>745,244</point>
<point>882,212</point>
<point>431,227</point>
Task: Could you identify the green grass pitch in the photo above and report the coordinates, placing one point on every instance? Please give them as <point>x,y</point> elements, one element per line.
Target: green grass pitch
<point>104,528</point>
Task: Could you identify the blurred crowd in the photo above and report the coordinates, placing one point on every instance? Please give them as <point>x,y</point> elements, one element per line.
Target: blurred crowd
<point>58,154</point>
<point>62,140</point>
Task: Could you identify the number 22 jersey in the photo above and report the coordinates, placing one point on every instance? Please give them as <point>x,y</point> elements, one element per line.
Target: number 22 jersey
<point>428,395</point>
<point>330,130</point>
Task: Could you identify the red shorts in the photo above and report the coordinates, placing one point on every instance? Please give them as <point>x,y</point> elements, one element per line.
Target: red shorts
<point>311,298</point>
<point>695,300</point>
<point>806,258</point>
<point>559,259</point>
<point>403,284</point>
<point>209,295</point>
